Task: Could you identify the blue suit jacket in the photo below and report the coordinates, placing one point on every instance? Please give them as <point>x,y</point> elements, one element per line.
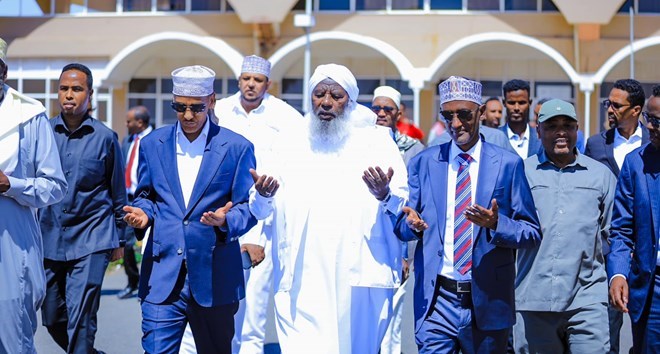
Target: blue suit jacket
<point>636,224</point>
<point>213,259</point>
<point>534,141</point>
<point>600,147</point>
<point>501,176</point>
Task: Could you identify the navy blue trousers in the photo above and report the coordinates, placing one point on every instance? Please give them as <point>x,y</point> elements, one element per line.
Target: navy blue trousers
<point>646,332</point>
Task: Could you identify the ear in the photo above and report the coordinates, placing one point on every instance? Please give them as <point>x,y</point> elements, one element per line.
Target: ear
<point>268,84</point>
<point>212,101</point>
<point>482,110</point>
<point>637,110</point>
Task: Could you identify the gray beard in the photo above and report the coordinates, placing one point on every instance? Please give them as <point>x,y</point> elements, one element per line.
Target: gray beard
<point>328,135</point>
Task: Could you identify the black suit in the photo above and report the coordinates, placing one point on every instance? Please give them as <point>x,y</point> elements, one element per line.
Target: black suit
<point>534,143</point>
<point>600,147</point>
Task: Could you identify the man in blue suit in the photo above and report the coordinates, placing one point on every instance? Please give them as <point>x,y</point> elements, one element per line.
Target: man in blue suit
<point>193,188</point>
<point>517,102</point>
<point>636,229</point>
<point>465,262</point>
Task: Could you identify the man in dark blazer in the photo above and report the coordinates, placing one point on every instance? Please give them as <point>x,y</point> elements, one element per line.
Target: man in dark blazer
<point>193,188</point>
<point>635,281</point>
<point>523,138</point>
<point>137,124</point>
<point>624,107</point>
<point>465,262</point>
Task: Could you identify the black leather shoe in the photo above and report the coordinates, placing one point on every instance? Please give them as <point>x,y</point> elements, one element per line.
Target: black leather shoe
<point>126,293</point>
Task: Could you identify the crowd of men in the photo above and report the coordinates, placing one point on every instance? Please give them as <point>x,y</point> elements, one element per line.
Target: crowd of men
<point>512,236</point>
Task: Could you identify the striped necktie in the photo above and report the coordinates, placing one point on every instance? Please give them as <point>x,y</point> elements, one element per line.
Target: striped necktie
<point>462,226</point>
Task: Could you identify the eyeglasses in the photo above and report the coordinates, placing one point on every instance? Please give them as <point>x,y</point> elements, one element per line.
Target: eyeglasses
<point>655,121</point>
<point>195,108</point>
<point>608,103</point>
<point>387,109</point>
<point>463,115</point>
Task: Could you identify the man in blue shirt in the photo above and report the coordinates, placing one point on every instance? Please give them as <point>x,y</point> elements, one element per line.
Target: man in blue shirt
<point>82,233</point>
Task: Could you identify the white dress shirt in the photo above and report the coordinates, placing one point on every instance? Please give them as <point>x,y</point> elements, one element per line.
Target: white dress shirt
<point>134,168</point>
<point>448,270</point>
<point>189,156</point>
<point>520,144</point>
<point>623,146</point>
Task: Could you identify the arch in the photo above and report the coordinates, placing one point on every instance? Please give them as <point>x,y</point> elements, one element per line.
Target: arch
<point>503,37</point>
<point>403,65</point>
<point>117,68</point>
<point>621,54</point>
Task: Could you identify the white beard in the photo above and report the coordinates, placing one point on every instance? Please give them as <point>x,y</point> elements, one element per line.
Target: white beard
<point>330,135</point>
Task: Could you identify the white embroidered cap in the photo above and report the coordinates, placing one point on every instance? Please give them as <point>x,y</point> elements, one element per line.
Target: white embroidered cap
<point>256,65</point>
<point>389,92</point>
<point>3,51</point>
<point>457,88</point>
<point>193,81</point>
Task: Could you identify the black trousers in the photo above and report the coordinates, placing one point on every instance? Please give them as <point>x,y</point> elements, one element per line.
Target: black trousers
<point>73,292</point>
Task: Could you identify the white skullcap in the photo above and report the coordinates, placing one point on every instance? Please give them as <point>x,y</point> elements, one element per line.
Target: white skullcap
<point>256,65</point>
<point>457,88</point>
<point>389,92</point>
<point>3,51</point>
<point>193,81</point>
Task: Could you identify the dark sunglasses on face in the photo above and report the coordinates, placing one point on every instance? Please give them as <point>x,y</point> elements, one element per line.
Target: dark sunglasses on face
<point>655,121</point>
<point>195,108</point>
<point>387,109</point>
<point>462,114</point>
<point>608,103</point>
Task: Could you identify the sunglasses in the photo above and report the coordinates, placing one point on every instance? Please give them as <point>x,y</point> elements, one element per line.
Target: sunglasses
<point>463,115</point>
<point>195,108</point>
<point>377,109</point>
<point>608,103</point>
<point>655,121</point>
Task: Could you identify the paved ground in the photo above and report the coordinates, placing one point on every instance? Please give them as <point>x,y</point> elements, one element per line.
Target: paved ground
<point>119,325</point>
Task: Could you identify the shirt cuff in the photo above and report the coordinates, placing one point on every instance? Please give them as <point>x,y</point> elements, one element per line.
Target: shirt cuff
<point>16,187</point>
<point>392,203</point>
<point>617,276</point>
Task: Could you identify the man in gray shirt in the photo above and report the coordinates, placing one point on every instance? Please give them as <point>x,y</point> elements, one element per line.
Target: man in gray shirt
<point>561,287</point>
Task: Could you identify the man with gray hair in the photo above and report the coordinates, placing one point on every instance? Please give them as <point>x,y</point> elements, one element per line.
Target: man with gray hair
<point>336,262</point>
<point>193,187</point>
<point>30,178</point>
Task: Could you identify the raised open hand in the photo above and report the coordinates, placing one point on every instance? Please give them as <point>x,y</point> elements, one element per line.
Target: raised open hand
<point>378,181</point>
<point>216,218</point>
<point>482,216</point>
<point>266,186</point>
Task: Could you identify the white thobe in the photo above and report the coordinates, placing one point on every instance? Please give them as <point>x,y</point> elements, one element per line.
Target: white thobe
<point>336,259</point>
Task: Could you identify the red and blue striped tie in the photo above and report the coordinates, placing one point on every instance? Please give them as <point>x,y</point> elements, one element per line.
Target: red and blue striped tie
<point>462,226</point>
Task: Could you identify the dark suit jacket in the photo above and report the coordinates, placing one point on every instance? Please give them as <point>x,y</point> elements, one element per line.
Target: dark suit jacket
<point>600,147</point>
<point>212,256</point>
<point>635,225</point>
<point>501,176</point>
<point>534,142</point>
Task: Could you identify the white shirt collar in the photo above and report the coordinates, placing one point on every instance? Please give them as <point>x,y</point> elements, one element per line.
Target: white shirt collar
<point>515,136</point>
<point>143,133</point>
<point>474,152</point>
<point>637,135</point>
<point>238,108</point>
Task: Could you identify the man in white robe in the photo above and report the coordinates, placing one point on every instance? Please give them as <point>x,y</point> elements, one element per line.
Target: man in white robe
<point>335,258</point>
<point>30,177</point>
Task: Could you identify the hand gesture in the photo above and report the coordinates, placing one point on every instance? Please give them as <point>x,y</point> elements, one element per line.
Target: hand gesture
<point>256,253</point>
<point>619,294</point>
<point>135,217</point>
<point>216,218</point>
<point>266,185</point>
<point>378,182</point>
<point>4,182</point>
<point>413,220</point>
<point>482,216</point>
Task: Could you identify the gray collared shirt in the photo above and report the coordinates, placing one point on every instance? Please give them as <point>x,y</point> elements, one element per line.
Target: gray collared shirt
<point>89,217</point>
<point>574,205</point>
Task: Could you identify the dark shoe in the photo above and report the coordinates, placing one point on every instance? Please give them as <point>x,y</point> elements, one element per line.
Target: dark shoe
<point>126,293</point>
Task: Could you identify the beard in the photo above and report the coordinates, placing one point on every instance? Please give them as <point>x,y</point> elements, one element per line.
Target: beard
<point>328,135</point>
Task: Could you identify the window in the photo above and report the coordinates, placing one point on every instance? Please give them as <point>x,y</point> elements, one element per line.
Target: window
<point>171,5</point>
<point>35,86</point>
<point>483,5</point>
<point>446,4</point>
<point>649,6</point>
<point>370,4</point>
<point>137,5</point>
<point>206,5</point>
<point>407,4</point>
<point>520,5</point>
<point>331,5</point>
<point>548,5</point>
<point>143,86</point>
<point>491,88</point>
<point>292,86</point>
<point>626,6</point>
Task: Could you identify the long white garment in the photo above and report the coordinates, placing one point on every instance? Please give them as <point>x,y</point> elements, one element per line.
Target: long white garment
<point>336,259</point>
<point>261,127</point>
<point>35,181</point>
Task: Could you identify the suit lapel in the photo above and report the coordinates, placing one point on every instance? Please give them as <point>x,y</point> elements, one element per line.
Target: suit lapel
<point>489,169</point>
<point>609,149</point>
<point>167,156</point>
<point>214,153</point>
<point>438,174</point>
<point>653,183</point>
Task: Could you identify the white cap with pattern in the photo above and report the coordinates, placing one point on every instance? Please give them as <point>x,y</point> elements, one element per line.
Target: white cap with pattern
<point>256,65</point>
<point>457,88</point>
<point>193,81</point>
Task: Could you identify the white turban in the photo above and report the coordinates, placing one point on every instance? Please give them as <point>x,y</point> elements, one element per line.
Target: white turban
<point>388,92</point>
<point>358,115</point>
